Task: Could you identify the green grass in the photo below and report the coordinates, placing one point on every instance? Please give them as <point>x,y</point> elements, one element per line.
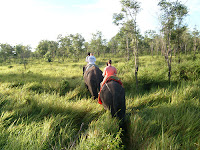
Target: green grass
<point>47,106</point>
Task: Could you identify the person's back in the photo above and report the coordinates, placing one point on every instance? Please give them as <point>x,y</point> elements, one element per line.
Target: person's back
<point>91,59</point>
<point>110,71</point>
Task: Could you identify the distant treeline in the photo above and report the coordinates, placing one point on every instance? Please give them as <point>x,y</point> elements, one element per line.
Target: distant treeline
<point>76,46</point>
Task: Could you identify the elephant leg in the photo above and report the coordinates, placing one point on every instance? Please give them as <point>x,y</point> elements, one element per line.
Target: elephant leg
<point>107,100</point>
<point>119,106</point>
<point>93,90</point>
<point>83,70</point>
<point>112,111</point>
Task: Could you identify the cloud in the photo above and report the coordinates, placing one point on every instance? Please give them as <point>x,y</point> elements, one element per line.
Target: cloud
<point>148,16</point>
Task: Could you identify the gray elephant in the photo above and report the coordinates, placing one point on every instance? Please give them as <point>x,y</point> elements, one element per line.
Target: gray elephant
<point>92,78</point>
<point>112,96</point>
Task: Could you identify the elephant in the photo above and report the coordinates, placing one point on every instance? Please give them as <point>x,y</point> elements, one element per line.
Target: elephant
<point>112,96</point>
<point>92,78</point>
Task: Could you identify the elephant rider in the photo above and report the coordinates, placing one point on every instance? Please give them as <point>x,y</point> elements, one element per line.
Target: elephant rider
<point>91,59</point>
<point>91,62</point>
<point>108,71</point>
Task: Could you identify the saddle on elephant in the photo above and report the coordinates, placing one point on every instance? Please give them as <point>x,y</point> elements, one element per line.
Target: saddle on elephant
<point>87,67</point>
<point>108,79</point>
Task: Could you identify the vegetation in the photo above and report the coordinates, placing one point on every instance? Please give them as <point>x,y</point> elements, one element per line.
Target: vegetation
<point>47,106</point>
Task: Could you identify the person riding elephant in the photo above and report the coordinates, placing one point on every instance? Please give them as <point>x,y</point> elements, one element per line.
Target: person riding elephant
<point>93,76</point>
<point>109,71</point>
<point>90,59</point>
<point>112,97</point>
<point>112,93</point>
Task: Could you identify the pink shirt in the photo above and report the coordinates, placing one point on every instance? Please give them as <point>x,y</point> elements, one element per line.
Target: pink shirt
<point>109,71</point>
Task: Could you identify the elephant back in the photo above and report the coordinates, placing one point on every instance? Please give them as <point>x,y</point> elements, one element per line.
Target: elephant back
<point>92,78</point>
<point>113,98</point>
<point>95,71</point>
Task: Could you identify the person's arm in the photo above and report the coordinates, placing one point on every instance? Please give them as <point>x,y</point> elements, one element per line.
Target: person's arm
<point>86,59</point>
<point>104,72</point>
<point>115,71</point>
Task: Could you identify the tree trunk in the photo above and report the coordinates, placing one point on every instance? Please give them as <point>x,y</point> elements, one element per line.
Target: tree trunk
<point>135,50</point>
<point>127,47</point>
<point>195,43</point>
<point>152,47</point>
<point>169,59</point>
<point>186,49</point>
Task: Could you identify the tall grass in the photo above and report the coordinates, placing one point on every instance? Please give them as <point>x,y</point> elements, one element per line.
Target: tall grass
<point>47,106</point>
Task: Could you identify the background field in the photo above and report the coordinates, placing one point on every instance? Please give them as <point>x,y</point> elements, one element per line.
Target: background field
<point>47,106</point>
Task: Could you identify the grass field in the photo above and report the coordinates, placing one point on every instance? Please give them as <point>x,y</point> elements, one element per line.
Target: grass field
<point>47,106</point>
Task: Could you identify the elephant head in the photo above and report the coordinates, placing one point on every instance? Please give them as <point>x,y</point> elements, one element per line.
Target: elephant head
<point>92,78</point>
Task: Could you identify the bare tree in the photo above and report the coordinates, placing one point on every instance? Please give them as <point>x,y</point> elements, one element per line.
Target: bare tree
<point>171,11</point>
<point>129,12</point>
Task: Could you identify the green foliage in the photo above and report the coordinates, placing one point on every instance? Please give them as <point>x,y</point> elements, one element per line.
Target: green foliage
<point>166,126</point>
<point>48,106</point>
<point>48,57</point>
<point>64,87</point>
<point>102,134</point>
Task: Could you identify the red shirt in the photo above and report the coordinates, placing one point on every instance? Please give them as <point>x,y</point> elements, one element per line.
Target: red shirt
<point>109,71</point>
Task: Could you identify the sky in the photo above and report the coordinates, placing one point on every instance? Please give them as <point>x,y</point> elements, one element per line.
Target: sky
<point>27,22</point>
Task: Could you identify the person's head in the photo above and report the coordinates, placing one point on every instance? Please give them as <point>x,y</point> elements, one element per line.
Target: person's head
<point>109,62</point>
<point>91,54</point>
<point>88,53</point>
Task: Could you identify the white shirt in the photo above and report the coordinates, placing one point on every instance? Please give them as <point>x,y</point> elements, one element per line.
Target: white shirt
<point>86,59</point>
<point>91,59</point>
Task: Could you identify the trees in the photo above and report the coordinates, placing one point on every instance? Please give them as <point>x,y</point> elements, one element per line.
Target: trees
<point>150,36</point>
<point>47,49</point>
<point>77,45</point>
<point>52,48</point>
<point>23,53</point>
<point>195,34</point>
<point>42,47</point>
<point>113,45</point>
<point>180,12</point>
<point>6,51</point>
<point>127,18</point>
<point>70,45</point>
<point>168,18</point>
<point>171,12</point>
<point>64,46</point>
<point>97,43</point>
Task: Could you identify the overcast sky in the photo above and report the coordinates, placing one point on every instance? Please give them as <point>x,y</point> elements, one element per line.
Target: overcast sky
<point>29,21</point>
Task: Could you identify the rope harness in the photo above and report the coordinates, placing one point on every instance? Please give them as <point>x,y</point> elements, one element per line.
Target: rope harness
<point>108,87</point>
